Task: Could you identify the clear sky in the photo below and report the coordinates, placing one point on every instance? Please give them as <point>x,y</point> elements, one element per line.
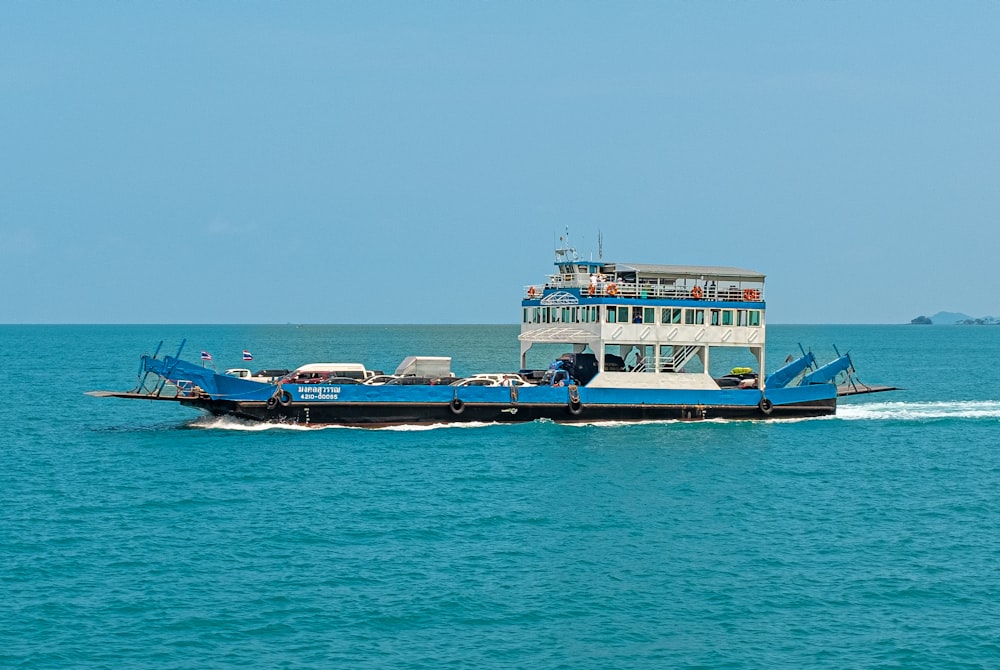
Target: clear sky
<point>412,162</point>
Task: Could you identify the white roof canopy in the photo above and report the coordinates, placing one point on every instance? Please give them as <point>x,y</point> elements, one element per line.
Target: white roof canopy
<point>686,271</point>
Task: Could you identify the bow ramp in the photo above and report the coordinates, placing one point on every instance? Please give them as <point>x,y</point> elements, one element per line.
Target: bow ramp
<point>826,374</point>
<point>170,378</point>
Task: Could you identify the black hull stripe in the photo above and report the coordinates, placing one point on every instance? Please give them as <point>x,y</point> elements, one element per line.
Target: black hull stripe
<point>387,414</point>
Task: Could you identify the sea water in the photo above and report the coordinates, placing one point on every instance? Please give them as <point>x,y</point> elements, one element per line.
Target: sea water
<point>141,534</point>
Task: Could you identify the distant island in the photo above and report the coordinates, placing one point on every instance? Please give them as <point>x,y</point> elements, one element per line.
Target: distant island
<point>955,318</point>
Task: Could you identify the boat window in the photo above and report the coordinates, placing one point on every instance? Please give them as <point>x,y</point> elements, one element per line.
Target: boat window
<point>694,316</point>
<point>670,315</point>
<point>611,314</point>
<point>727,317</point>
<point>715,317</point>
<point>741,317</point>
<point>754,317</point>
<point>524,317</point>
<point>649,315</point>
<point>623,315</point>
<point>567,315</point>
<point>536,316</point>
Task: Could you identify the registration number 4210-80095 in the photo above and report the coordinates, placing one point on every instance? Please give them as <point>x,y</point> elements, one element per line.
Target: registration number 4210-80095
<point>319,392</point>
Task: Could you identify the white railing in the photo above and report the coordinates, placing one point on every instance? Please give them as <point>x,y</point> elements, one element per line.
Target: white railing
<point>641,290</point>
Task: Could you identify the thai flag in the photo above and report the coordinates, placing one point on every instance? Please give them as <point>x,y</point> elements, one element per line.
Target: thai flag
<point>205,356</point>
<point>247,356</point>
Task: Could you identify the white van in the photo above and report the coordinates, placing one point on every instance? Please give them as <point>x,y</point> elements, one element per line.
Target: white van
<point>320,373</point>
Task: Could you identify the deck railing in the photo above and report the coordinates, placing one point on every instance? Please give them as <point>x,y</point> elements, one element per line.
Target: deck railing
<point>643,290</point>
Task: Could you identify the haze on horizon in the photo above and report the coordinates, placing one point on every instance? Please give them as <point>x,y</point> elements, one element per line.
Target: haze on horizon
<point>394,162</point>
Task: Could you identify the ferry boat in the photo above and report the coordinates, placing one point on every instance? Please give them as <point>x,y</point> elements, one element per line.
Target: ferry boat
<point>638,342</point>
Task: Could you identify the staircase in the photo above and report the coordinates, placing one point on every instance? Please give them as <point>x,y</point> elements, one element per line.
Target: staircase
<point>681,356</point>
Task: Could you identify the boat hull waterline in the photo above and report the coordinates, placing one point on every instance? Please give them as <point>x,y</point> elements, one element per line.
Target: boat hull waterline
<point>431,413</point>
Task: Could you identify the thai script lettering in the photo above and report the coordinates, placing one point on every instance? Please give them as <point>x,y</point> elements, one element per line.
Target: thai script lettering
<point>319,392</point>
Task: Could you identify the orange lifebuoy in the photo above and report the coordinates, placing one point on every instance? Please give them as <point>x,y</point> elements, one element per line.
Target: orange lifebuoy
<point>751,294</point>
<point>697,293</point>
<point>612,289</point>
<point>531,292</point>
<point>590,291</point>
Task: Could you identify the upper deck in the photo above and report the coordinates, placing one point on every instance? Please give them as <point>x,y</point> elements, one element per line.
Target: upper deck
<point>651,282</point>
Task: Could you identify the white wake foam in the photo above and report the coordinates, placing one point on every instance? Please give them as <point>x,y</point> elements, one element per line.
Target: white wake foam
<point>921,411</point>
<point>232,423</point>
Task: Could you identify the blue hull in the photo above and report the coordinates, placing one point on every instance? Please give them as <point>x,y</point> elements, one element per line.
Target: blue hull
<point>359,405</point>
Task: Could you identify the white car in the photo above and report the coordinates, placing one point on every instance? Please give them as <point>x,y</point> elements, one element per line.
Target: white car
<point>378,380</point>
<point>475,382</point>
<point>498,379</point>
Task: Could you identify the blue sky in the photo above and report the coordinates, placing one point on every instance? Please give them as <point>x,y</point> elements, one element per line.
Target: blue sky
<point>412,162</point>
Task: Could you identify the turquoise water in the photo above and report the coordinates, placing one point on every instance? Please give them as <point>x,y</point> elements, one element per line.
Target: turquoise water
<point>136,534</point>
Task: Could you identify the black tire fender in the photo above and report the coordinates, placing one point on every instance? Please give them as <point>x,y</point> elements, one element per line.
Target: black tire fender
<point>575,407</point>
<point>457,405</point>
<point>285,398</point>
<point>765,406</point>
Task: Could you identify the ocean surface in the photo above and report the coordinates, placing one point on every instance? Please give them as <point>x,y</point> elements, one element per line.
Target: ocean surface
<point>136,534</point>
